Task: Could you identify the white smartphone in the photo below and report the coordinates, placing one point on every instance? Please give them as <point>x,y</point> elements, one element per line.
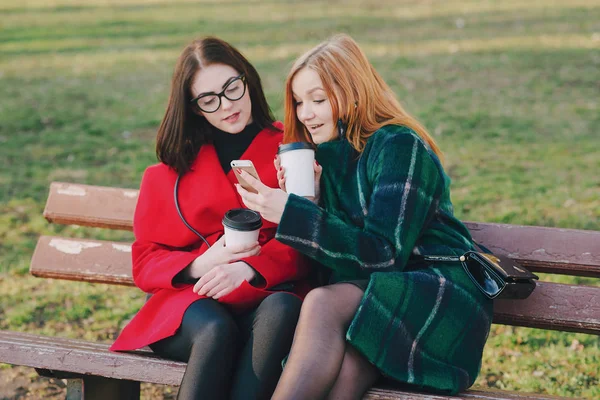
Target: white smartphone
<point>245,165</point>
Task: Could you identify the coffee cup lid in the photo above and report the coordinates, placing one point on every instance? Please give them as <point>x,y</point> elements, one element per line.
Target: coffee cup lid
<point>242,219</point>
<point>295,146</point>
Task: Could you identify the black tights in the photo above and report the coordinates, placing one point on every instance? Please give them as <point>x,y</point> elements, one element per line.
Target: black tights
<point>322,365</point>
<point>232,356</point>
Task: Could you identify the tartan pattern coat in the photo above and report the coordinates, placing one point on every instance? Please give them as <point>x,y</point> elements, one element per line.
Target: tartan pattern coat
<point>421,324</point>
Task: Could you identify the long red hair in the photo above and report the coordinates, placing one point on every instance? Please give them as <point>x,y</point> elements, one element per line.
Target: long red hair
<point>358,94</point>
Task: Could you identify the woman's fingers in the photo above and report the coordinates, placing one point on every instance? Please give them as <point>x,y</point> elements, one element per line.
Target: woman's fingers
<point>242,248</point>
<point>277,163</point>
<point>206,283</point>
<point>248,252</point>
<point>249,199</point>
<point>223,292</point>
<point>252,181</point>
<point>218,288</point>
<point>220,242</point>
<point>251,253</point>
<point>318,169</point>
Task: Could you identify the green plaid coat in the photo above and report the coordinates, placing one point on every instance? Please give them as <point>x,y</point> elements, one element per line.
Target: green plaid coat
<point>420,324</point>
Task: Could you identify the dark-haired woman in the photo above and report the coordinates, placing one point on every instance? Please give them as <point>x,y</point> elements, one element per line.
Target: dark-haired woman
<point>212,306</point>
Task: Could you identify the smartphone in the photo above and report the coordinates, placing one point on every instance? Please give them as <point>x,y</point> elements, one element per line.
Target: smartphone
<point>245,165</point>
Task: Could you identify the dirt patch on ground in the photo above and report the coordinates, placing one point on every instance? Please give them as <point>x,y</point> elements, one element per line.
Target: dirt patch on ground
<point>25,383</point>
<point>17,383</point>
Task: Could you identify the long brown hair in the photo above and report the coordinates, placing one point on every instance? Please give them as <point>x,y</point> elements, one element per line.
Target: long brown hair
<point>358,94</point>
<point>183,131</point>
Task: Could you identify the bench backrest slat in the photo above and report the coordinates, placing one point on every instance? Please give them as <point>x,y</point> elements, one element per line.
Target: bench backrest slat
<point>86,205</point>
<point>573,252</point>
<point>553,250</point>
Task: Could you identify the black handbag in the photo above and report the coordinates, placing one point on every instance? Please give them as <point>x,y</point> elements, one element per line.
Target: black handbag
<point>495,275</point>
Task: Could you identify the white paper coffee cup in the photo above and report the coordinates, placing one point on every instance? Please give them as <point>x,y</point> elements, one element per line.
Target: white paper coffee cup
<point>242,227</point>
<point>297,160</point>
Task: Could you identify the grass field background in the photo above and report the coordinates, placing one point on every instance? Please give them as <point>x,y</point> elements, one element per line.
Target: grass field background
<point>509,89</point>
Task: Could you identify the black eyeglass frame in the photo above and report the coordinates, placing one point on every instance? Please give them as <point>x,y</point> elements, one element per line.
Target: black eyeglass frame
<point>241,77</point>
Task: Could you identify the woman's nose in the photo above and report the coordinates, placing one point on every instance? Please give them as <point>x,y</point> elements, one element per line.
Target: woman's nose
<point>226,103</point>
<point>305,113</point>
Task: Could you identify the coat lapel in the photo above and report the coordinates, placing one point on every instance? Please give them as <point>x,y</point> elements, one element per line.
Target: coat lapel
<point>206,193</point>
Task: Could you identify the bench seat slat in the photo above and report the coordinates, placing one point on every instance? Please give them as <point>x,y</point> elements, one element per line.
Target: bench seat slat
<point>397,394</point>
<point>551,306</point>
<point>81,357</point>
<point>572,308</point>
<point>70,355</point>
<point>96,261</point>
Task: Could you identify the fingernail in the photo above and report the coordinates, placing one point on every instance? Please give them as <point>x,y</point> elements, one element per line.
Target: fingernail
<point>316,162</point>
<point>239,171</point>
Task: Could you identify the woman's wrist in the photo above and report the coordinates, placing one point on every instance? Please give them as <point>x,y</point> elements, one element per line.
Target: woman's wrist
<point>195,269</point>
<point>251,272</point>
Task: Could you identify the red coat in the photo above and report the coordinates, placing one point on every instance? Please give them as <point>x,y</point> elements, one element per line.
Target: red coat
<point>164,245</point>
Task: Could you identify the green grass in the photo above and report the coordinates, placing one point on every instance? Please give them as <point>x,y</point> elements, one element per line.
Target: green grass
<point>509,89</point>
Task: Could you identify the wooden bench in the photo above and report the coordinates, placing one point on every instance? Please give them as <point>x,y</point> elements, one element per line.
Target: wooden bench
<point>95,373</point>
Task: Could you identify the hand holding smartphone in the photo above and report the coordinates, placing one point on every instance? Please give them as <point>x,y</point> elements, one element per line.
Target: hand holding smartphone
<point>245,165</point>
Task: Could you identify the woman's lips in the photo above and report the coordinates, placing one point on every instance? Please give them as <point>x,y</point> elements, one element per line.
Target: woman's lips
<point>314,127</point>
<point>232,118</point>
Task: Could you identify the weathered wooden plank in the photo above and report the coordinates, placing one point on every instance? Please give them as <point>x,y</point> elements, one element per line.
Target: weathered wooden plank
<point>552,250</point>
<point>82,260</point>
<point>541,249</point>
<point>551,306</point>
<point>87,358</point>
<point>397,394</point>
<point>86,205</point>
<point>573,308</point>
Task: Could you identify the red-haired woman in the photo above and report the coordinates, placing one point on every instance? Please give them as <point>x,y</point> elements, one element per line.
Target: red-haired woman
<point>212,305</point>
<point>384,198</point>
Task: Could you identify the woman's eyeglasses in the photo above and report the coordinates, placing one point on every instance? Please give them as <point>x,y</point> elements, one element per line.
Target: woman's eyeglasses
<point>211,102</point>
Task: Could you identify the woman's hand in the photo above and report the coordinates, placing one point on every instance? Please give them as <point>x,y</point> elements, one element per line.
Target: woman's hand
<point>281,178</point>
<point>218,255</point>
<point>269,202</point>
<point>224,279</point>
<point>280,173</point>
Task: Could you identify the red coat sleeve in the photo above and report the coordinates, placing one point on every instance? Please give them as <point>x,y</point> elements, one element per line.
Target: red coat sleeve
<point>278,263</point>
<point>155,266</point>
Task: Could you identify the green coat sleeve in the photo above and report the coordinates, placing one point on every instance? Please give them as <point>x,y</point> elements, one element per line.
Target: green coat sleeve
<point>406,186</point>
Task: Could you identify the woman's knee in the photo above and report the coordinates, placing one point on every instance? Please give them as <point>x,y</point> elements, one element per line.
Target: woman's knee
<point>211,324</point>
<point>342,298</point>
<point>282,303</point>
<point>318,299</point>
<point>330,306</point>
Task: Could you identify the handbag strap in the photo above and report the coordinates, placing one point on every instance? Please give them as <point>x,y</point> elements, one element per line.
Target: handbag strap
<point>435,258</point>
